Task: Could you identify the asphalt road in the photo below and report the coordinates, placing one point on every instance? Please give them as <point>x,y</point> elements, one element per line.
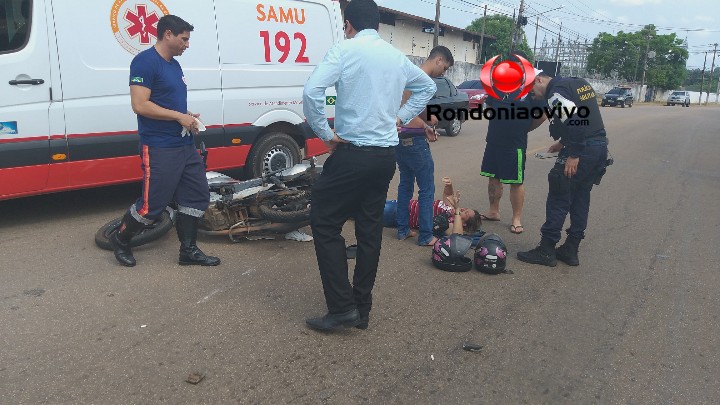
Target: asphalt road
<point>637,322</point>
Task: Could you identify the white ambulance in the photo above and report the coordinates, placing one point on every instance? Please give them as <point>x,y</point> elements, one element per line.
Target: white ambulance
<point>65,115</point>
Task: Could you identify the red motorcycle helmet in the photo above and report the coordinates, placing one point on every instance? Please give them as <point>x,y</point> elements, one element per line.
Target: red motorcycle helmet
<point>491,254</point>
<point>449,253</point>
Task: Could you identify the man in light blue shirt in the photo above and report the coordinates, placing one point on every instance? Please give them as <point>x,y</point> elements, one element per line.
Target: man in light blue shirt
<point>369,76</point>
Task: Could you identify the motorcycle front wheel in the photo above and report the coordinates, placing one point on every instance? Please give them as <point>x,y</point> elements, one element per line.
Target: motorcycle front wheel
<point>287,209</point>
<point>148,234</point>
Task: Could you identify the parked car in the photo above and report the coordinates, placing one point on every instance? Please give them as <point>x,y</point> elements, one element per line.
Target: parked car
<point>448,97</point>
<point>679,97</point>
<point>475,91</point>
<point>621,96</point>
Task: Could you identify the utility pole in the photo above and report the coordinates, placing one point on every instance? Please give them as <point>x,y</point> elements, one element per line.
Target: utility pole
<point>482,33</point>
<point>637,63</point>
<point>642,84</point>
<point>712,70</point>
<point>517,31</point>
<point>436,31</point>
<point>702,80</point>
<point>537,25</point>
<point>512,34</point>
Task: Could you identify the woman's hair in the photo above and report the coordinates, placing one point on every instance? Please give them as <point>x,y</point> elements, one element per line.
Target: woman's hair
<point>473,223</point>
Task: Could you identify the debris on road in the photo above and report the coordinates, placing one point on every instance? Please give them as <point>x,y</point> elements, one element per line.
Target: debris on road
<point>195,377</point>
<point>471,347</point>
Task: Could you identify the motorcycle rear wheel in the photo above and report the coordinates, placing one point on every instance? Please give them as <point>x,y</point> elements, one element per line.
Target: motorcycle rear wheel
<point>148,234</point>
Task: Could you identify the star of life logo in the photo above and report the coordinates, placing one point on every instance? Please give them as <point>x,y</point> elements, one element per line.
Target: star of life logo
<point>134,25</point>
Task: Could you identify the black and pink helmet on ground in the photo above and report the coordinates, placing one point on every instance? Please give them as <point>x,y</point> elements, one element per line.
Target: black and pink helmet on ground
<point>449,253</point>
<point>491,254</point>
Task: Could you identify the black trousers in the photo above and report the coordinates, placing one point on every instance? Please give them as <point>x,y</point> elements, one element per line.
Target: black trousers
<point>575,199</point>
<point>353,184</point>
<point>171,174</point>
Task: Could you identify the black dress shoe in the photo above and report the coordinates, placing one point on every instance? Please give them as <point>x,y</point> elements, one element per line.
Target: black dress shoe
<point>122,251</point>
<point>335,321</point>
<point>364,321</point>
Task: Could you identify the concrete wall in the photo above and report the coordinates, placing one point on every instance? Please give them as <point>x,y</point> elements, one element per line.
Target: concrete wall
<point>602,86</point>
<point>457,74</point>
<point>694,97</point>
<point>408,37</point>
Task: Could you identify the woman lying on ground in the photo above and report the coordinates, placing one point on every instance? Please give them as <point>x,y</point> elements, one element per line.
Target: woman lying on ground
<point>469,218</point>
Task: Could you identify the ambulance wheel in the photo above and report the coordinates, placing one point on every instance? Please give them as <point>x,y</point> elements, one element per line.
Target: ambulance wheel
<point>274,151</point>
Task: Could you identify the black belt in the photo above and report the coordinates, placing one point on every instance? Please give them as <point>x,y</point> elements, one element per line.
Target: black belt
<point>350,146</point>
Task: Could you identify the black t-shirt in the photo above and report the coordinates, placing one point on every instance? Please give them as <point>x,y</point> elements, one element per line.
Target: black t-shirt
<point>511,122</point>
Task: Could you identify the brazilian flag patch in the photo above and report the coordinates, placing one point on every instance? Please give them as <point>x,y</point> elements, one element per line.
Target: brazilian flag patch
<point>136,79</point>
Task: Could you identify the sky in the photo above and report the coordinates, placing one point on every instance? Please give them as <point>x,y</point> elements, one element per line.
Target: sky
<point>696,20</point>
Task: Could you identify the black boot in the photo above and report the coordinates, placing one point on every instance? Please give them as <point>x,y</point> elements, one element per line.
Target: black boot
<point>190,254</point>
<point>568,252</point>
<point>544,254</point>
<point>120,240</point>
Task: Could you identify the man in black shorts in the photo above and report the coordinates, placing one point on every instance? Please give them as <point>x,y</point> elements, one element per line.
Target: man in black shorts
<point>504,158</point>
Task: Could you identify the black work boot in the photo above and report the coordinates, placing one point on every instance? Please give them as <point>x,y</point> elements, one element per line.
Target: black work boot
<point>190,254</point>
<point>544,254</point>
<point>568,252</point>
<point>120,240</point>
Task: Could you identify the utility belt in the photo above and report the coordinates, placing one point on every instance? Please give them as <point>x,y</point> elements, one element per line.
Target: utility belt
<point>592,141</point>
<point>561,184</point>
<point>596,140</point>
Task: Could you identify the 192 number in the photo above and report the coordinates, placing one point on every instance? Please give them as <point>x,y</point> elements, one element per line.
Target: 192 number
<point>282,44</point>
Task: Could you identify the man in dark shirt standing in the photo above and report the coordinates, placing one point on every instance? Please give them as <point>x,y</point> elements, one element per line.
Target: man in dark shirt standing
<point>504,158</point>
<point>172,166</point>
<point>580,164</point>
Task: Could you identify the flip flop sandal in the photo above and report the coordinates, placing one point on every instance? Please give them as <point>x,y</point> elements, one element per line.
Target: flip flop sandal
<point>351,251</point>
<point>517,229</point>
<point>486,218</point>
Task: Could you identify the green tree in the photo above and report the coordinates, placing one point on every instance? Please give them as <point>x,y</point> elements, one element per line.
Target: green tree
<point>695,78</point>
<point>624,54</point>
<point>500,27</point>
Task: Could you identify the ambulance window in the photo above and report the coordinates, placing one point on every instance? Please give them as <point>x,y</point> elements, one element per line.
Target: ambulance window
<point>14,24</point>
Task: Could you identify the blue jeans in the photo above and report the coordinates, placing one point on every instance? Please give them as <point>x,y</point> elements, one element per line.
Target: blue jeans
<point>576,201</point>
<point>416,164</point>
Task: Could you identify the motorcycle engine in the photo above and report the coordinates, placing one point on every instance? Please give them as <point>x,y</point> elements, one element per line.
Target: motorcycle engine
<point>215,219</point>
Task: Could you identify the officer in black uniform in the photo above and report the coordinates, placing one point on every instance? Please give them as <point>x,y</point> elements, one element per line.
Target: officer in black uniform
<point>581,163</point>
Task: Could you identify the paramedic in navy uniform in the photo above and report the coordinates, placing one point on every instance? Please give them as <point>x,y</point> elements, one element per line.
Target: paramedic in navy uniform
<point>369,76</point>
<point>172,166</point>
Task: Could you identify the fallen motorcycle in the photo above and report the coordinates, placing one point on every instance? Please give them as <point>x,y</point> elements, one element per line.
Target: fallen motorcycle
<point>260,208</point>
